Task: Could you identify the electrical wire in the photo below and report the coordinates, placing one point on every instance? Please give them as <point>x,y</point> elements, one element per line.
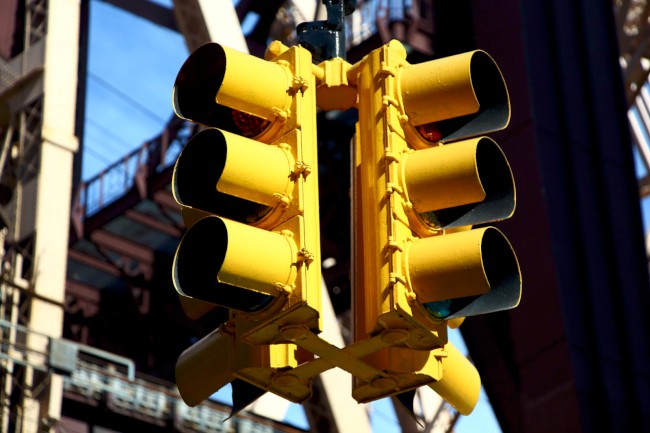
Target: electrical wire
<point>124,96</point>
<point>98,155</point>
<point>108,133</point>
<point>383,416</point>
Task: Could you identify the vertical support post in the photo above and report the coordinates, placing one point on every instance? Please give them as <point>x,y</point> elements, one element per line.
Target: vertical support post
<point>53,200</point>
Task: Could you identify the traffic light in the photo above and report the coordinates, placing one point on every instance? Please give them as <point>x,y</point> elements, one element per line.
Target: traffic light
<point>424,176</point>
<point>248,188</point>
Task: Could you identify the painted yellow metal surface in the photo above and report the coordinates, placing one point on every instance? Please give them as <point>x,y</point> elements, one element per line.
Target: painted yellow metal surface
<point>216,76</point>
<point>443,177</point>
<point>443,82</point>
<point>267,268</point>
<point>410,273</point>
<point>460,382</point>
<point>263,178</point>
<point>334,91</point>
<point>219,358</point>
<point>460,85</point>
<point>453,266</point>
<point>196,375</point>
<point>423,176</point>
<point>264,264</point>
<point>255,86</point>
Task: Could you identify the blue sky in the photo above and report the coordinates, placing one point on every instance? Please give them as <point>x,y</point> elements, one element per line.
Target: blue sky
<point>132,67</point>
<point>642,172</point>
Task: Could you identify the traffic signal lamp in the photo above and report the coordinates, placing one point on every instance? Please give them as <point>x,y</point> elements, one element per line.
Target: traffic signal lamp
<point>248,188</point>
<point>216,174</point>
<point>227,89</point>
<point>425,177</point>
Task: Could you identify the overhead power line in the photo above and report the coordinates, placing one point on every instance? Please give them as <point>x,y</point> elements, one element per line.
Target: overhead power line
<point>108,133</point>
<point>125,97</point>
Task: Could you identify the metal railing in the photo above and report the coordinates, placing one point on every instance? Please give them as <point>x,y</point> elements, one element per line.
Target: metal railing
<point>59,355</point>
<point>362,23</point>
<point>156,403</point>
<point>120,177</point>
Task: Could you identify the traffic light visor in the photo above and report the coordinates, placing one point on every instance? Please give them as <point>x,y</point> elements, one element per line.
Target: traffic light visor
<point>459,184</point>
<point>460,384</point>
<point>215,80</point>
<point>205,367</point>
<point>463,95</point>
<point>232,176</point>
<point>233,265</point>
<point>464,274</point>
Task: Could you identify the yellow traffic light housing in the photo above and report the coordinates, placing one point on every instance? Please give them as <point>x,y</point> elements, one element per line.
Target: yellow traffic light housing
<point>423,180</point>
<point>248,187</point>
<point>227,89</point>
<point>423,177</point>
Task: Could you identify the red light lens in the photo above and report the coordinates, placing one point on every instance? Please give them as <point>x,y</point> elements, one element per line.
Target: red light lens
<point>249,125</point>
<point>430,132</point>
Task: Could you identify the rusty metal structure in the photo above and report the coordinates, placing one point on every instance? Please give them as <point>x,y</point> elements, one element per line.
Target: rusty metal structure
<point>37,126</point>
